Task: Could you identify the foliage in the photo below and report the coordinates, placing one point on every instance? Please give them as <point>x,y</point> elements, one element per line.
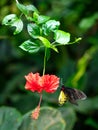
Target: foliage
<point>9,118</point>
<point>39,28</point>
<point>50,119</point>
<point>12,120</point>
<point>76,64</point>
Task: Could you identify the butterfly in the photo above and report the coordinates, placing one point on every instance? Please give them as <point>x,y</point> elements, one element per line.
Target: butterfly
<point>71,95</point>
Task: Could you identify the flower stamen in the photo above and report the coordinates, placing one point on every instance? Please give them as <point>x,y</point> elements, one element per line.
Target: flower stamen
<point>36,112</point>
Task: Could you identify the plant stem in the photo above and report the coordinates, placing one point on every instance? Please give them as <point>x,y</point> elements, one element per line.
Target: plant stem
<point>44,61</point>
<point>40,99</point>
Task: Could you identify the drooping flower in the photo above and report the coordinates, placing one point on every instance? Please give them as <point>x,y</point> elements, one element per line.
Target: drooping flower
<point>35,82</point>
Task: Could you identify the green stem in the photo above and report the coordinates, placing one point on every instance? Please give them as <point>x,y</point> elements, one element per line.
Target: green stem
<point>44,61</point>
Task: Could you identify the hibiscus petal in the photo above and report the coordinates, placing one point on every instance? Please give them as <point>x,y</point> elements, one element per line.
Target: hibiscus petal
<point>51,83</point>
<point>34,82</point>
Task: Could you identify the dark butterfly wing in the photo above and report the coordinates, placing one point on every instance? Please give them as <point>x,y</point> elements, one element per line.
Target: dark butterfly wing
<point>74,94</point>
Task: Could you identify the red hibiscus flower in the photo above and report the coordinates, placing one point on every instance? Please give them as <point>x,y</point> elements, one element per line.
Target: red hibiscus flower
<point>35,82</point>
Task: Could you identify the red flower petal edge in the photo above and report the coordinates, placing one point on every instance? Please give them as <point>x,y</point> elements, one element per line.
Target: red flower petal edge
<point>34,82</point>
<point>51,83</point>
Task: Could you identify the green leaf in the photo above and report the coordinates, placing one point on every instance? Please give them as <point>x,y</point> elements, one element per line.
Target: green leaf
<point>88,105</point>
<point>62,37</point>
<point>19,26</point>
<point>54,48</point>
<point>10,118</point>
<point>33,30</point>
<point>13,21</point>
<point>49,119</point>
<point>91,122</point>
<point>49,26</point>
<point>88,22</point>
<point>35,16</point>
<point>40,19</point>
<point>45,42</point>
<point>82,66</point>
<point>22,8</point>
<point>75,41</point>
<point>32,8</point>
<point>30,46</point>
<point>26,9</point>
<point>69,116</point>
<point>9,19</point>
<point>78,39</point>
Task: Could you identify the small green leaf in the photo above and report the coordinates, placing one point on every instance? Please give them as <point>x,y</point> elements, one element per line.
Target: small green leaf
<point>49,26</point>
<point>33,30</point>
<point>40,19</point>
<point>22,8</point>
<point>45,42</point>
<point>10,118</point>
<point>35,16</point>
<point>26,9</point>
<point>54,48</point>
<point>9,19</point>
<point>62,37</point>
<point>30,46</point>
<point>19,26</point>
<point>32,8</point>
<point>13,21</point>
<point>76,40</point>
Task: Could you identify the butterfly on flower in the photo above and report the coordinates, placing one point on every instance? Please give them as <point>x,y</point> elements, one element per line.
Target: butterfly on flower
<point>71,95</point>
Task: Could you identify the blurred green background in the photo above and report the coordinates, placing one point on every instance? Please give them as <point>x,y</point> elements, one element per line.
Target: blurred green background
<point>76,64</point>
